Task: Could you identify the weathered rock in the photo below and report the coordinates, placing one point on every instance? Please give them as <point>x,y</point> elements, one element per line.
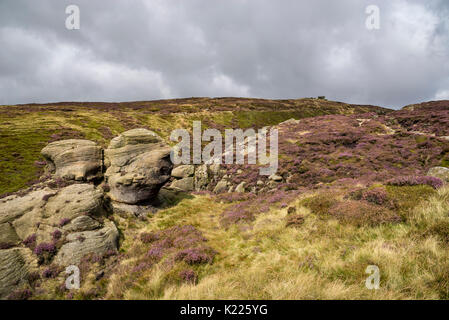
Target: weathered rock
<point>185,184</point>
<point>74,159</point>
<point>82,223</point>
<point>215,169</point>
<point>201,177</point>
<point>439,172</point>
<point>183,171</point>
<point>241,187</point>
<point>8,235</point>
<point>14,207</point>
<point>133,210</point>
<point>74,201</point>
<point>98,242</point>
<point>275,177</point>
<point>38,211</point>
<point>138,164</point>
<point>15,266</point>
<point>222,186</point>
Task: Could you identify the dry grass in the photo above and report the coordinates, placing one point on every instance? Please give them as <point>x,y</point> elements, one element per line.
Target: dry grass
<point>320,259</point>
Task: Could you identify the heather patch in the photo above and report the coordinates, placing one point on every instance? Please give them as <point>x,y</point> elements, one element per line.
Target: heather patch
<point>179,243</point>
<point>20,294</point>
<point>416,180</point>
<point>327,149</point>
<point>52,271</point>
<point>245,211</point>
<point>361,213</point>
<point>45,252</point>
<point>188,276</point>
<point>30,241</point>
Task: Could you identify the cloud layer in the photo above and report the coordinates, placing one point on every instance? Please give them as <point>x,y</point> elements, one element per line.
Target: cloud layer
<point>143,50</point>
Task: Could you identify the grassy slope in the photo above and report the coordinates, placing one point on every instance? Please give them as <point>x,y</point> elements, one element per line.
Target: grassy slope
<point>322,259</point>
<point>26,129</point>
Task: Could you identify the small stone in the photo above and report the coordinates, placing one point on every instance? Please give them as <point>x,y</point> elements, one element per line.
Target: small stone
<point>183,171</point>
<point>222,186</point>
<point>275,177</point>
<point>439,172</point>
<point>241,187</point>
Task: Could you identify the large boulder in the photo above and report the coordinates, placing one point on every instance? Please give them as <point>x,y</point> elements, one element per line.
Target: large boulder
<point>40,211</point>
<point>74,159</point>
<point>138,165</point>
<point>79,244</point>
<point>439,172</point>
<point>15,266</point>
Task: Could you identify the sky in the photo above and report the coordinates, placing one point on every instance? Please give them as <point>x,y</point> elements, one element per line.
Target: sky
<point>279,49</point>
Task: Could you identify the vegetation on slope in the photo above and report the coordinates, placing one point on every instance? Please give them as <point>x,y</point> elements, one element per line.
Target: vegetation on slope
<point>26,129</point>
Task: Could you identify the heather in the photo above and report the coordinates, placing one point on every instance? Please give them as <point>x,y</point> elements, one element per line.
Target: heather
<point>26,129</point>
<point>353,191</point>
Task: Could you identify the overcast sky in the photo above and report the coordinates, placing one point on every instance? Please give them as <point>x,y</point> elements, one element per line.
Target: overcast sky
<point>145,50</point>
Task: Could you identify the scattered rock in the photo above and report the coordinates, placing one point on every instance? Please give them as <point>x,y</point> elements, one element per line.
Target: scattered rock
<point>183,171</point>
<point>222,186</point>
<point>138,164</point>
<point>74,159</point>
<point>185,184</point>
<point>201,177</point>
<point>241,187</point>
<point>439,172</point>
<point>275,177</point>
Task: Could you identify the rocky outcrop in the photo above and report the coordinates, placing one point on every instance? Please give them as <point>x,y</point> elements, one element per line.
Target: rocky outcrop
<point>79,244</point>
<point>439,172</point>
<point>197,177</point>
<point>15,266</point>
<point>74,159</point>
<point>138,165</point>
<point>41,210</point>
<point>77,213</point>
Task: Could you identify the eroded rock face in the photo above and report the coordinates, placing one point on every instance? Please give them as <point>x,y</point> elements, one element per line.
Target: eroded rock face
<point>40,211</point>
<point>439,172</point>
<point>8,235</point>
<point>74,159</point>
<point>138,163</point>
<point>15,266</point>
<point>79,244</point>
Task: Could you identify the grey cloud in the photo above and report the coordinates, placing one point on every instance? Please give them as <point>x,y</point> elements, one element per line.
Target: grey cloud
<point>142,50</point>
